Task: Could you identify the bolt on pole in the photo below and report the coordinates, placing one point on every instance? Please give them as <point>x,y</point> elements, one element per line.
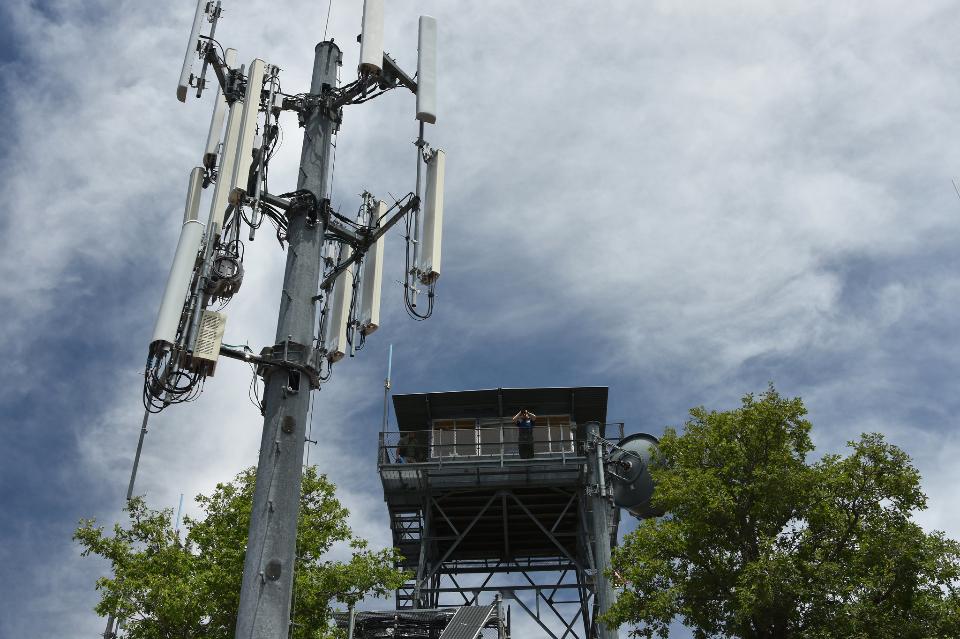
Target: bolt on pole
<point>267,588</point>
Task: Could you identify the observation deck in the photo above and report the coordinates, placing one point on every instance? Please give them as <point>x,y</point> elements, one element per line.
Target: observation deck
<point>463,500</point>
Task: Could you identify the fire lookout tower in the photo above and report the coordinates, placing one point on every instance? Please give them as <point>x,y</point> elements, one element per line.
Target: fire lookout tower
<point>475,514</point>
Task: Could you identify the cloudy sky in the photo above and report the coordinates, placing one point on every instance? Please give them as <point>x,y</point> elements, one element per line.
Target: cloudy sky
<point>681,201</point>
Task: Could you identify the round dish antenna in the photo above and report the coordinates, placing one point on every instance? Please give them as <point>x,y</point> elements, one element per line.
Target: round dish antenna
<point>629,465</point>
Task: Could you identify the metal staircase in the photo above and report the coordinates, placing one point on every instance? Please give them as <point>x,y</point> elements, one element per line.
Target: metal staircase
<point>407,527</point>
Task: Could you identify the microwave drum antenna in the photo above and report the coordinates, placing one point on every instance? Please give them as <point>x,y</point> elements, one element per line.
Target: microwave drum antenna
<point>632,484</point>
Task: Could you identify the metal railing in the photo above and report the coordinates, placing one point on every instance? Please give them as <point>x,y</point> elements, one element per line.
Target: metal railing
<point>506,441</point>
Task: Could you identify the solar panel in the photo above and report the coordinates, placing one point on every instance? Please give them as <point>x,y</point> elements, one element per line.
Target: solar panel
<point>468,622</point>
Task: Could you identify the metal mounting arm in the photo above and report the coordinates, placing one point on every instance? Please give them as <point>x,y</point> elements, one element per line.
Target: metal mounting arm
<point>391,77</point>
<point>214,17</point>
<point>250,358</point>
<point>220,68</point>
<point>412,204</point>
<point>392,69</point>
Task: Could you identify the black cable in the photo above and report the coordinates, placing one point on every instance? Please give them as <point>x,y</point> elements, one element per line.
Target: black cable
<point>409,279</point>
<point>223,54</point>
<point>253,391</point>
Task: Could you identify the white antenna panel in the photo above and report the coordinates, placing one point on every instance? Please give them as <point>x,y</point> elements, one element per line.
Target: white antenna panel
<point>178,283</point>
<point>371,37</point>
<point>427,70</point>
<point>248,126</point>
<point>372,280</point>
<point>339,315</point>
<point>225,172</point>
<point>187,70</point>
<point>432,218</point>
<point>216,122</point>
<point>192,210</point>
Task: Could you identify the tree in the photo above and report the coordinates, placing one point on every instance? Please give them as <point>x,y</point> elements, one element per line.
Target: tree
<point>760,543</point>
<point>167,587</point>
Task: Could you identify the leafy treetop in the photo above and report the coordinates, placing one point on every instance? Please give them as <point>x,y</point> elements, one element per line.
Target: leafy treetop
<point>760,543</point>
<point>166,587</point>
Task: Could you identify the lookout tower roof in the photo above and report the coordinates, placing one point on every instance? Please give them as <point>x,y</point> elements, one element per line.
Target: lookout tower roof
<point>583,403</point>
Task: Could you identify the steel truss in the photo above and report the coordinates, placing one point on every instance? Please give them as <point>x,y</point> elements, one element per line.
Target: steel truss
<point>567,598</point>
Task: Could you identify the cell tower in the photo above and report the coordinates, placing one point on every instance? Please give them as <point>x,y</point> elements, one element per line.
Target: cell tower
<point>330,301</point>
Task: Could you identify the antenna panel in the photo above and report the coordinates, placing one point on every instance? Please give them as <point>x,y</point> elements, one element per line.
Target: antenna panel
<point>248,126</point>
<point>178,283</point>
<point>632,483</point>
<point>427,70</point>
<point>372,280</point>
<point>216,122</point>
<point>339,315</point>
<point>187,70</point>
<point>429,266</point>
<point>225,172</point>
<point>192,210</point>
<point>371,38</point>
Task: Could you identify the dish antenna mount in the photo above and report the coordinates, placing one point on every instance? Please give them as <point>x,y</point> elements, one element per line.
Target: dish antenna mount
<point>628,465</point>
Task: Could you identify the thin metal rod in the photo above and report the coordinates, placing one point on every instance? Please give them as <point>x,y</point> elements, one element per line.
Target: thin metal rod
<point>466,531</point>
<point>416,222</point>
<point>110,632</point>
<point>547,600</point>
<point>546,532</point>
<point>262,159</point>
<point>176,527</point>
<point>534,616</point>
<point>476,593</point>
<point>214,17</point>
<point>386,388</point>
<point>498,588</point>
<point>136,457</point>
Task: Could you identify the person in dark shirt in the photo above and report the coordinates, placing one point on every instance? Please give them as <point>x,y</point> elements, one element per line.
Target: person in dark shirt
<point>525,421</point>
<point>403,449</point>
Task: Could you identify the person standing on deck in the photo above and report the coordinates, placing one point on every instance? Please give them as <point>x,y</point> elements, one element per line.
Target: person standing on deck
<point>525,421</point>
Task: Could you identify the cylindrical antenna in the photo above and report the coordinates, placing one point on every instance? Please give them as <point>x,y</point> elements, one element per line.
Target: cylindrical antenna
<point>386,389</point>
<point>192,209</point>
<point>248,128</point>
<point>427,70</point>
<point>371,37</point>
<point>187,70</point>
<point>372,277</point>
<point>429,265</point>
<point>389,367</point>
<point>178,283</point>
<point>216,121</point>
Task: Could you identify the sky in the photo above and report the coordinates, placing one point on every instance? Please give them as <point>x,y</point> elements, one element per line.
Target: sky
<point>681,201</point>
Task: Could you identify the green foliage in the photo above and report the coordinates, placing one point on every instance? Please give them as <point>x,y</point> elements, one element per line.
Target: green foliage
<point>166,587</point>
<point>759,543</point>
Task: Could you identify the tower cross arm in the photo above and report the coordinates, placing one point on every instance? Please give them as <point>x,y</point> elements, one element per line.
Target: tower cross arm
<point>220,68</point>
<point>392,70</point>
<point>412,204</point>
